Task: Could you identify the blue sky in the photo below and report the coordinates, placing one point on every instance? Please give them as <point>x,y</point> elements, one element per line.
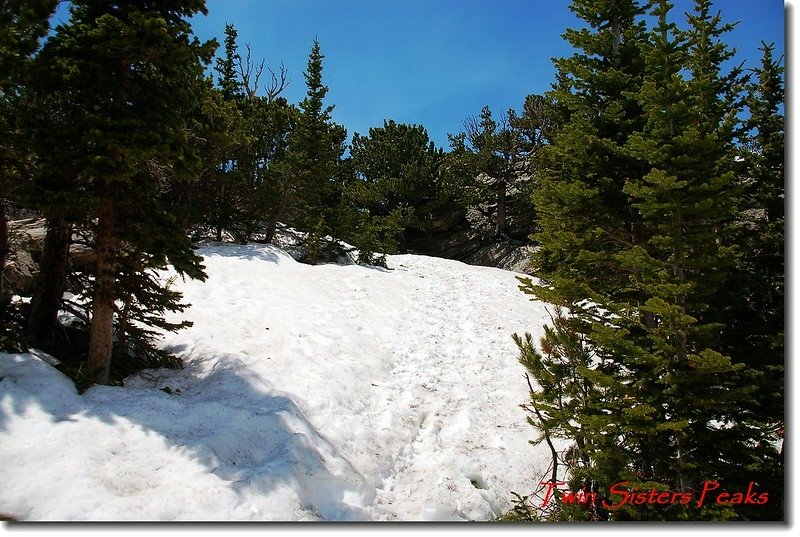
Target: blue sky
<point>434,62</point>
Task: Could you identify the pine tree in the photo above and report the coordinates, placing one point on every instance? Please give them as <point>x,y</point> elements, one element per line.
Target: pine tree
<point>24,23</point>
<point>763,226</point>
<point>316,146</point>
<point>686,203</point>
<point>226,184</point>
<point>122,76</point>
<point>755,329</point>
<point>228,78</point>
<point>765,199</point>
<point>395,185</point>
<point>584,220</point>
<point>561,405</point>
<point>582,211</point>
<point>494,147</point>
<point>642,274</point>
<point>497,156</point>
<point>249,183</point>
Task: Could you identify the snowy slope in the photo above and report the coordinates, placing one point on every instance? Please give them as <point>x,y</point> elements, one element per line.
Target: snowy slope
<point>310,392</point>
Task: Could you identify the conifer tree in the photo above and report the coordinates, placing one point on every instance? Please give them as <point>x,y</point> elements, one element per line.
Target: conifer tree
<point>217,131</point>
<point>123,76</point>
<point>754,328</point>
<point>225,184</point>
<point>765,233</point>
<point>643,265</point>
<point>498,153</point>
<point>316,146</point>
<point>584,220</point>
<point>249,182</point>
<point>686,202</point>
<point>23,24</point>
<point>395,185</point>
<point>582,211</point>
<point>228,78</point>
<point>493,147</point>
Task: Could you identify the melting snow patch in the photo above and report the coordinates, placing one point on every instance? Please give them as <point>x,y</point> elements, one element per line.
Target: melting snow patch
<point>310,393</point>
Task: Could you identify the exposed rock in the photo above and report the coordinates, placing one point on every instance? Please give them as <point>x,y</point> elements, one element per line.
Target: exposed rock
<point>469,236</point>
<point>20,271</point>
<point>506,255</point>
<point>26,240</point>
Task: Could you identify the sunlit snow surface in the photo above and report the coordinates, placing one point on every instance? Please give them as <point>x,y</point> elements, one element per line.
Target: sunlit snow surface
<point>310,392</point>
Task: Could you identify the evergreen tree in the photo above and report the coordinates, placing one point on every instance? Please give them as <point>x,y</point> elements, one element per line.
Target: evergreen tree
<point>395,187</point>
<point>122,78</point>
<point>316,146</point>
<point>263,164</point>
<point>765,238</point>
<point>582,211</point>
<point>249,183</point>
<point>497,158</point>
<point>275,188</point>
<point>562,405</point>
<point>225,187</point>
<point>217,132</point>
<point>641,269</point>
<point>493,148</point>
<point>228,78</point>
<point>755,329</point>
<point>24,23</point>
<point>686,203</point>
<point>584,220</point>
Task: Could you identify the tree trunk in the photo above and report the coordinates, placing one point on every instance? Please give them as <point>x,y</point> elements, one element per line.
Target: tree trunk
<point>101,334</point>
<point>502,201</point>
<point>50,285</point>
<point>4,300</point>
<point>272,226</point>
<point>219,212</point>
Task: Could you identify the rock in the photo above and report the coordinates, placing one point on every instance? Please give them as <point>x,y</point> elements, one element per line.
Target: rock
<point>20,271</point>
<point>507,255</point>
<point>468,236</point>
<point>26,240</point>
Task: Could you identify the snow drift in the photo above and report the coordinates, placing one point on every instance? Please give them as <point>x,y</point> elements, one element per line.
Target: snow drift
<point>310,392</point>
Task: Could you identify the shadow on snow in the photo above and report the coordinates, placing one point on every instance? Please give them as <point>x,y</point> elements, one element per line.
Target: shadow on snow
<point>233,422</point>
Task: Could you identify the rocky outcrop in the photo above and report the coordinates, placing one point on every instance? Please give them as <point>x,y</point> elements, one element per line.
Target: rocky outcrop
<point>468,235</point>
<point>506,255</point>
<point>26,239</point>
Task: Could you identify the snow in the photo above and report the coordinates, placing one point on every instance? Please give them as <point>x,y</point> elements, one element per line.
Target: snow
<point>330,392</point>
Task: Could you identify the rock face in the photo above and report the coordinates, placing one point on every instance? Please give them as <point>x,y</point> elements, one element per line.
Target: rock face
<point>506,255</point>
<point>468,235</point>
<point>26,240</point>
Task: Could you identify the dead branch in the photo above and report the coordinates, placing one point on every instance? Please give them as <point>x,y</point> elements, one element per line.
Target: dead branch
<point>249,72</point>
<point>545,431</point>
<point>277,83</point>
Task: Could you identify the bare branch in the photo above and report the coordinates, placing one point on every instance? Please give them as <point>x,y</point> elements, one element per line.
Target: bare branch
<point>249,73</point>
<point>277,83</point>
<point>472,128</point>
<point>545,431</point>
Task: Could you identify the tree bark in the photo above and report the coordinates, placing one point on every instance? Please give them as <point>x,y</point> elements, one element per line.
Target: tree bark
<point>502,201</point>
<point>3,243</point>
<point>50,285</point>
<point>101,333</point>
<point>4,300</point>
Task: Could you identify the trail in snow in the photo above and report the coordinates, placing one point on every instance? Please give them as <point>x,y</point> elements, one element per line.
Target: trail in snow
<point>328,392</point>
<point>444,385</point>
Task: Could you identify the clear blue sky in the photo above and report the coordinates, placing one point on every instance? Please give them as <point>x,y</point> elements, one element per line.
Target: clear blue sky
<point>434,62</point>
